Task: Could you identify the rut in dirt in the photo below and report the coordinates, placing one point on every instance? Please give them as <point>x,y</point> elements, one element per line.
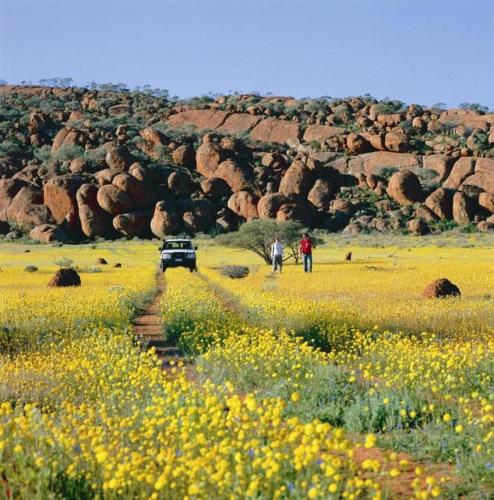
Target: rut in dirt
<point>149,329</point>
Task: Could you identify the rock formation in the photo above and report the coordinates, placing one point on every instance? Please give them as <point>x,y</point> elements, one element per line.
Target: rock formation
<point>113,164</point>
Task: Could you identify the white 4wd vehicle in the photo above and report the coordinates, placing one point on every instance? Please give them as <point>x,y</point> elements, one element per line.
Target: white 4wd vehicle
<point>178,253</point>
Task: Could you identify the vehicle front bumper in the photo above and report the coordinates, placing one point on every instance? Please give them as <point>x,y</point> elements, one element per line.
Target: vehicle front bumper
<point>165,263</point>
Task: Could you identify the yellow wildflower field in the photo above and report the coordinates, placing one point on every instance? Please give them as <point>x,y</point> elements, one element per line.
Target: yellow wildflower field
<point>343,383</point>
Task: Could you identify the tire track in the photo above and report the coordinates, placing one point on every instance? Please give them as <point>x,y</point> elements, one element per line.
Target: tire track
<point>149,329</point>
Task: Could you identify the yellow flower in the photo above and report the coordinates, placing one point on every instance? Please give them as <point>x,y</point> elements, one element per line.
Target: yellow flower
<point>251,403</point>
<point>193,489</point>
<point>370,441</point>
<point>158,485</point>
<point>312,493</point>
<point>101,456</point>
<point>436,491</point>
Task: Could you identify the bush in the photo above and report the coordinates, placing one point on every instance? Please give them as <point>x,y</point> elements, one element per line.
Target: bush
<point>474,106</point>
<point>95,156</point>
<point>386,172</point>
<point>387,107</point>
<point>43,153</point>
<point>67,153</point>
<point>235,272</point>
<point>65,263</point>
<point>88,269</point>
<point>31,269</point>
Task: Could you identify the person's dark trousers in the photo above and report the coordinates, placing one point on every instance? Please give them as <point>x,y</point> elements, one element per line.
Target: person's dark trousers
<point>277,263</point>
<point>307,258</point>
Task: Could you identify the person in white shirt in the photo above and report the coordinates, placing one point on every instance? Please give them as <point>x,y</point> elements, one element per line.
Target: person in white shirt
<point>277,254</point>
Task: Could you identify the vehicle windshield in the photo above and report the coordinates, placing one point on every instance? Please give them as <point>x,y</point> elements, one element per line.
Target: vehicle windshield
<point>177,245</point>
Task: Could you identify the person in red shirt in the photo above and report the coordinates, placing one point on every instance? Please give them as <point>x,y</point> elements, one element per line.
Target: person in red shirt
<point>305,249</point>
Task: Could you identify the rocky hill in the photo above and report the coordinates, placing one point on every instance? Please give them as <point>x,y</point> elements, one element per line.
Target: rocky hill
<point>81,163</point>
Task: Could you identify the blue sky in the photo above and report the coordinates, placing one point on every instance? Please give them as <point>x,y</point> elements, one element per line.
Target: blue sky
<point>423,51</point>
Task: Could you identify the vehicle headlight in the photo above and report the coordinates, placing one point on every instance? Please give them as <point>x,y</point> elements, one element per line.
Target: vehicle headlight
<point>167,256</point>
<point>191,255</point>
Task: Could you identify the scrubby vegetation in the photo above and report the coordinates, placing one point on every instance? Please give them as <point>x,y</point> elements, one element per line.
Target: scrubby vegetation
<point>235,272</point>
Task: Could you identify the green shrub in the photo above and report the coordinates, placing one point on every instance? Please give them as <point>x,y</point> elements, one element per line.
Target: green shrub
<point>235,272</point>
<point>388,107</point>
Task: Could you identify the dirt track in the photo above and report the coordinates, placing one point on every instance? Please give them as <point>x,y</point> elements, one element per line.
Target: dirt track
<point>148,327</point>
